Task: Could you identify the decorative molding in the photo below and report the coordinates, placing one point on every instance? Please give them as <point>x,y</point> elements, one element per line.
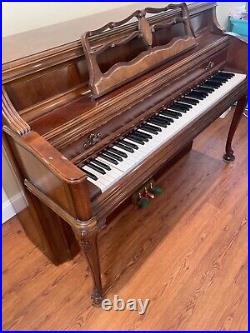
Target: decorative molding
<point>152,56</point>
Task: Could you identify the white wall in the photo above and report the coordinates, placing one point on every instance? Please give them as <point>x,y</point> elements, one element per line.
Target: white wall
<point>224,9</point>
<point>23,16</point>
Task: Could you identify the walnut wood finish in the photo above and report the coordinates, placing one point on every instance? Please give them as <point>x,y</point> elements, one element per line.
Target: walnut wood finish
<point>11,117</point>
<point>152,55</point>
<point>47,231</point>
<point>58,75</point>
<point>53,125</point>
<point>187,252</point>
<point>229,155</point>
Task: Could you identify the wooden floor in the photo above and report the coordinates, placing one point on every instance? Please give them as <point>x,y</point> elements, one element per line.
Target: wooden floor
<point>187,253</point>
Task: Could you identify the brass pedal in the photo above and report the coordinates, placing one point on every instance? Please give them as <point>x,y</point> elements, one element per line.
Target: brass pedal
<point>146,193</point>
<point>143,202</point>
<point>156,190</point>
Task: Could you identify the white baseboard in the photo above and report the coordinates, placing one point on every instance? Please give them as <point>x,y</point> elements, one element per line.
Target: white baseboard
<point>18,201</point>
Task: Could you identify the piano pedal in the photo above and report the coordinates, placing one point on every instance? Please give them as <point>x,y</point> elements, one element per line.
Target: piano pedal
<point>148,193</point>
<point>155,190</point>
<point>145,194</point>
<point>142,202</point>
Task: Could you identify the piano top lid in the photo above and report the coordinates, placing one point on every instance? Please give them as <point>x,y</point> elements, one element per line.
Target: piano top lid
<point>16,49</point>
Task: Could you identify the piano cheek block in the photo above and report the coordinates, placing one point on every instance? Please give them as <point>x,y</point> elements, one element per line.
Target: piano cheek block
<point>148,99</point>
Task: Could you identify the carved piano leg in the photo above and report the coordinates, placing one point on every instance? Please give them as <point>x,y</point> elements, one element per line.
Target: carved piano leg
<point>87,238</point>
<point>241,104</point>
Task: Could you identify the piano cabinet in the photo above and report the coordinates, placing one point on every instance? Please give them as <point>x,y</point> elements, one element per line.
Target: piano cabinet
<point>64,106</point>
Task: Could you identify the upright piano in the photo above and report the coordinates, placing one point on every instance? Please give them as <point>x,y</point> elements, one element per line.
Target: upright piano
<point>90,122</point>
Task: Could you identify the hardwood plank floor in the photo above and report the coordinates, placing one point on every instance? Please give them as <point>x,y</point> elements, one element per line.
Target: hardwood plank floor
<point>187,253</point>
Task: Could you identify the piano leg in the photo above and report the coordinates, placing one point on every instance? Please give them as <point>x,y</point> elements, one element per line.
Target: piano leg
<point>87,238</point>
<point>240,107</point>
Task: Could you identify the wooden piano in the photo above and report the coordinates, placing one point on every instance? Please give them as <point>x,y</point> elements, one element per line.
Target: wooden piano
<point>89,122</point>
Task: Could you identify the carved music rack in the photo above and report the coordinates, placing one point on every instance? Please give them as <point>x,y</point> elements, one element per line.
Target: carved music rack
<point>151,53</point>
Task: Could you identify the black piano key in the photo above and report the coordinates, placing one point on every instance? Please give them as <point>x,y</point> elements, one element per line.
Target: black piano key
<point>154,128</point>
<point>96,168</point>
<point>197,95</point>
<point>177,108</point>
<point>129,144</point>
<point>112,155</point>
<point>140,135</point>
<point>170,113</point>
<point>126,148</point>
<point>191,101</point>
<point>220,78</point>
<point>145,135</point>
<point>210,89</point>
<point>182,106</point>
<point>109,159</point>
<point>210,85</point>
<point>213,84</point>
<point>135,139</point>
<point>89,174</point>
<point>227,75</point>
<point>205,94</point>
<point>168,120</point>
<point>158,123</point>
<point>204,89</point>
<point>216,81</point>
<point>101,164</point>
<point>118,152</point>
<point>148,129</point>
<point>135,136</point>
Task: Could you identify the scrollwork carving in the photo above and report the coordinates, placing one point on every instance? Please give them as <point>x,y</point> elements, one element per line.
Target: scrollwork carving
<point>92,140</point>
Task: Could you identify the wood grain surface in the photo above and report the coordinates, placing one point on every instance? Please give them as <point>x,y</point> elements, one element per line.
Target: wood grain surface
<point>187,253</point>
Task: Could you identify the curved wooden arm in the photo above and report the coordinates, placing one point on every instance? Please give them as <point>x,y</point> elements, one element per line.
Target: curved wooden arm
<point>41,149</point>
<point>53,174</point>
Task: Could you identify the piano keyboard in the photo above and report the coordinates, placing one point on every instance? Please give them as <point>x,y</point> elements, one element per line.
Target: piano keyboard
<point>126,153</point>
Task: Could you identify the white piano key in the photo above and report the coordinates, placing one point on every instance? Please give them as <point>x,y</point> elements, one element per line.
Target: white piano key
<point>102,187</point>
